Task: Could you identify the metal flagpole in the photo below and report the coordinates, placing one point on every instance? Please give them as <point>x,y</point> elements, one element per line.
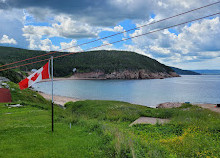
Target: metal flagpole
<point>52,88</point>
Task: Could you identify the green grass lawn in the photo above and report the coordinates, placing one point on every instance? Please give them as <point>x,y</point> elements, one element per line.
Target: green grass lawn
<point>26,132</point>
<point>101,129</point>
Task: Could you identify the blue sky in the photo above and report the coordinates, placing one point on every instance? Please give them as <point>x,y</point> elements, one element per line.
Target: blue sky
<point>55,26</point>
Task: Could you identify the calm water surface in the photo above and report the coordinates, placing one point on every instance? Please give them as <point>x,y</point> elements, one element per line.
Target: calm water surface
<point>196,89</point>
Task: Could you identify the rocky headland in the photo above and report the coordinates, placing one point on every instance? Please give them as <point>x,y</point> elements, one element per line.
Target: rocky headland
<point>126,74</point>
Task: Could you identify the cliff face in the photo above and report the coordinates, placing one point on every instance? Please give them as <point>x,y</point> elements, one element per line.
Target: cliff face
<point>140,74</point>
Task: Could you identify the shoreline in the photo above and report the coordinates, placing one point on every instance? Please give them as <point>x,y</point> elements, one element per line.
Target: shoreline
<point>61,100</point>
<point>88,78</point>
<point>81,78</point>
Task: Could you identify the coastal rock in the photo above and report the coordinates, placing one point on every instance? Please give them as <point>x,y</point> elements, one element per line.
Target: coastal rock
<point>149,120</point>
<point>90,75</point>
<point>169,105</point>
<point>126,74</point>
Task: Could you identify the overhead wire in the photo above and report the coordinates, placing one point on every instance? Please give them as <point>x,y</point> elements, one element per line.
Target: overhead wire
<point>151,23</point>
<point>150,32</point>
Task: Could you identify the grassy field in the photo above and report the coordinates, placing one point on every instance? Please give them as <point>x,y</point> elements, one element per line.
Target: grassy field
<point>101,129</point>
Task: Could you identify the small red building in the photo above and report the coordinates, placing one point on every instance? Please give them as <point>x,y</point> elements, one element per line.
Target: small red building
<point>5,95</point>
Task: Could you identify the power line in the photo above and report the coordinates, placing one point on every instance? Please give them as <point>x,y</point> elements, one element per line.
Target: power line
<point>157,30</point>
<point>151,23</point>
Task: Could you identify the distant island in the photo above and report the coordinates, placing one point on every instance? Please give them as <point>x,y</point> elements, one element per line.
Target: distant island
<point>100,64</point>
<point>185,72</point>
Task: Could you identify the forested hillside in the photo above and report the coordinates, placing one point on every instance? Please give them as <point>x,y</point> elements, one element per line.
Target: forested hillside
<point>93,61</point>
<point>184,72</point>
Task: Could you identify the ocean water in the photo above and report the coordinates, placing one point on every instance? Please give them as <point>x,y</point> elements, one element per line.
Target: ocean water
<point>187,88</point>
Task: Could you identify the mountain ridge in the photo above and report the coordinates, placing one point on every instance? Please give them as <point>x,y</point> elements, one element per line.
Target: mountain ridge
<point>208,71</point>
<point>184,72</point>
<point>111,64</point>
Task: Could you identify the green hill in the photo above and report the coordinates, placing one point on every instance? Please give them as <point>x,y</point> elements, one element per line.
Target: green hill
<point>208,72</point>
<point>184,72</point>
<point>93,61</point>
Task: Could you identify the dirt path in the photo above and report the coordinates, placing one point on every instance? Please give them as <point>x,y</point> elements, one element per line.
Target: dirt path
<point>149,120</point>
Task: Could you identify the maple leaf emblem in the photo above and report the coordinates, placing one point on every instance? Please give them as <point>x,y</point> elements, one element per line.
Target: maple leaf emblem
<point>35,77</point>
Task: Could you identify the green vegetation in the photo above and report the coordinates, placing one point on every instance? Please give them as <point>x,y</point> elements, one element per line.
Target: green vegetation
<point>12,75</point>
<point>101,129</point>
<point>26,131</point>
<point>184,72</point>
<point>94,61</point>
<point>208,72</point>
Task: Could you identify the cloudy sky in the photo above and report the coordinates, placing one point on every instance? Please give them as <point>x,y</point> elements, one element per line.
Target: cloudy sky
<point>54,25</point>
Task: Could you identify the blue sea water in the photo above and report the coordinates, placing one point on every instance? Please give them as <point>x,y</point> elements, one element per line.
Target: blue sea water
<point>187,88</point>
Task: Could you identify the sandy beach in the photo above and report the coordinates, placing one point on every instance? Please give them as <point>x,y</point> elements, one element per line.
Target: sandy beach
<point>70,78</point>
<point>61,100</point>
<point>58,99</point>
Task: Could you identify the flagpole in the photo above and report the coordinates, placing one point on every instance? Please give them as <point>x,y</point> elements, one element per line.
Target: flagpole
<point>52,88</point>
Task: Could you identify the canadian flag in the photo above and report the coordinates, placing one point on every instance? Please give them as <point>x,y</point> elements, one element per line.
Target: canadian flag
<point>37,76</point>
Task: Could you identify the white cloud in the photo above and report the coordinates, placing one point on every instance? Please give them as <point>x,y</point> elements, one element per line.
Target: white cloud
<point>74,29</point>
<point>162,51</point>
<point>118,28</point>
<point>204,64</point>
<point>134,48</point>
<point>6,40</point>
<point>70,47</point>
<point>11,24</point>
<point>37,43</point>
<point>105,46</point>
<point>63,26</point>
<point>47,45</point>
<point>194,43</point>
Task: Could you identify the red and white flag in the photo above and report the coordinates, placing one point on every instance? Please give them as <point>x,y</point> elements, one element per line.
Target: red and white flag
<point>42,73</point>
